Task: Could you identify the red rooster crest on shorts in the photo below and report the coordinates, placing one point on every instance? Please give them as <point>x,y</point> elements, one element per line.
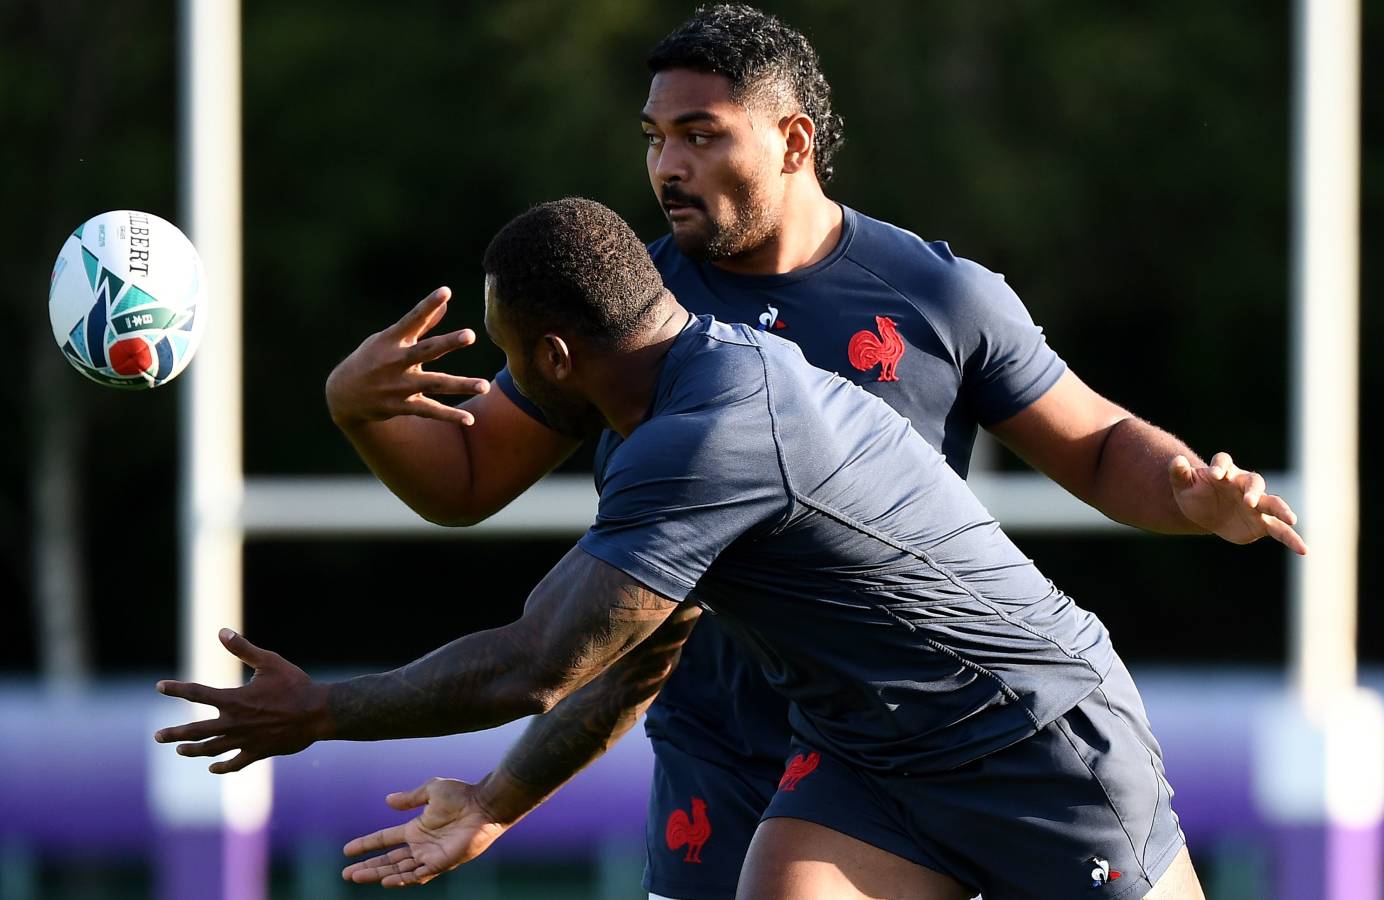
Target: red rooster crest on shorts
<point>798,767</point>
<point>867,350</point>
<point>692,832</point>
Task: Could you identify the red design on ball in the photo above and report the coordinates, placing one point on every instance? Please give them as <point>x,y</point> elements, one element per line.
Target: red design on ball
<point>131,356</point>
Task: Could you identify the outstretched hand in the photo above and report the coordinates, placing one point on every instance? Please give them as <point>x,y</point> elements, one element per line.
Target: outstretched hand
<point>1231,503</point>
<point>384,376</point>
<point>453,828</point>
<point>280,711</point>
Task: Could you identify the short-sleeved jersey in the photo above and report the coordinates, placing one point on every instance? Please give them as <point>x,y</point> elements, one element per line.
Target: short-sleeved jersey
<point>942,340</point>
<point>967,353</point>
<point>881,599</point>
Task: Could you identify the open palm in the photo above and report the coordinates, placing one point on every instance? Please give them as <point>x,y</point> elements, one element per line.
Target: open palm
<point>452,829</point>
<point>1231,502</point>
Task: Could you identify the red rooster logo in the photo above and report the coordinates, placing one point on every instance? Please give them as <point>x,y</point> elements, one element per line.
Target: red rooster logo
<point>867,351</point>
<point>799,767</point>
<point>692,832</point>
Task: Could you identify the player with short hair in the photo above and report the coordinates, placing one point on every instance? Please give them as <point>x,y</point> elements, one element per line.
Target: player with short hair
<point>741,136</point>
<point>959,724</point>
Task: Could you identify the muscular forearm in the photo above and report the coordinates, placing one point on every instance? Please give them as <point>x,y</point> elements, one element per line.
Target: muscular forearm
<point>1131,483</point>
<point>576,732</point>
<point>580,621</point>
<point>459,474</point>
<point>559,744</point>
<point>475,682</point>
<point>424,462</point>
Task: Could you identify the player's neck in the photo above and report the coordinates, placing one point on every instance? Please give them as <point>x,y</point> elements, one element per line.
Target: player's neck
<point>626,389</point>
<point>810,227</point>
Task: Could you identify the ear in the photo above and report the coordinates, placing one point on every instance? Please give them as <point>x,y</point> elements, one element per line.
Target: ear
<point>554,357</point>
<point>798,131</point>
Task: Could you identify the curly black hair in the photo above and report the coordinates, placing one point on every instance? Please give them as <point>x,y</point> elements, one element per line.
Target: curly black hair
<point>757,52</point>
<point>574,263</point>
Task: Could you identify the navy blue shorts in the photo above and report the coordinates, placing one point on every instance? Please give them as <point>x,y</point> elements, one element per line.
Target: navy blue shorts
<point>1080,809</point>
<point>701,818</point>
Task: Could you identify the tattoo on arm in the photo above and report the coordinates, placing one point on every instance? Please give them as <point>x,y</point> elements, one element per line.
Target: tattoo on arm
<point>559,744</point>
<point>467,685</point>
<point>579,620</point>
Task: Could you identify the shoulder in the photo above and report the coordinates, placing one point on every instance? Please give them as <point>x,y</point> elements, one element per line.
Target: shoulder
<point>927,272</point>
<point>958,296</point>
<point>716,364</point>
<point>711,395</point>
<point>699,472</point>
<point>709,436</point>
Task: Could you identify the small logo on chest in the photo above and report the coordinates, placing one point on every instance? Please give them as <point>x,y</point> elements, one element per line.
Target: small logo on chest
<point>769,320</point>
<point>867,349</point>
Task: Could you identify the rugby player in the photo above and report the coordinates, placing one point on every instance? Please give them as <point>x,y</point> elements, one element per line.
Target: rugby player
<point>958,723</point>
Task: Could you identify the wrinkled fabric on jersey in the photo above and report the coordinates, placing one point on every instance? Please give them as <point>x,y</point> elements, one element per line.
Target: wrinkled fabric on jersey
<point>882,600</point>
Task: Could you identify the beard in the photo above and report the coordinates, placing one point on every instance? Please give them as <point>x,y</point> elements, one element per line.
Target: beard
<point>749,225</point>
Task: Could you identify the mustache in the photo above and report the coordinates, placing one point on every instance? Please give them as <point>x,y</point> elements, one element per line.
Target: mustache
<point>673,194</point>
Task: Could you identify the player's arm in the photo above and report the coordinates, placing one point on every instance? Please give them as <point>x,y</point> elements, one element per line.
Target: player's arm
<point>576,732</point>
<point>451,465</point>
<point>459,821</point>
<point>1139,474</point>
<point>1132,471</point>
<point>582,618</point>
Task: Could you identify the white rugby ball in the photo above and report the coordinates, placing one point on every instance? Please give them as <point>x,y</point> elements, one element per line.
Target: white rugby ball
<point>127,300</point>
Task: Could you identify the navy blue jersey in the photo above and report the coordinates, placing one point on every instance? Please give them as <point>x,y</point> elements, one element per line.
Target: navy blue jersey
<point>967,354</point>
<point>942,340</point>
<point>879,596</point>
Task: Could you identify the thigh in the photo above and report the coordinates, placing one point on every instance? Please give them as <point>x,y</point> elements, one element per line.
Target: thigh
<point>792,859</point>
<point>1179,882</point>
<point>702,816</point>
